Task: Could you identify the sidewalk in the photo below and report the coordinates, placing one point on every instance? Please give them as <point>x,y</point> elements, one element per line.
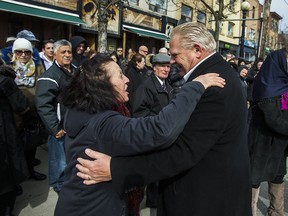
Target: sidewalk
<point>40,200</point>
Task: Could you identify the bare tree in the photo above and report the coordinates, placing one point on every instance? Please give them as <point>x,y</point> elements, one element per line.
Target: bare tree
<point>105,12</point>
<point>266,15</point>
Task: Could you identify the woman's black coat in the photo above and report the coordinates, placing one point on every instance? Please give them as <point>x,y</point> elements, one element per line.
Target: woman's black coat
<point>12,160</point>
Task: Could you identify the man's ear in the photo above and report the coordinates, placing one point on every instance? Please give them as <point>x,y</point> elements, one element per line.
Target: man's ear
<point>198,50</point>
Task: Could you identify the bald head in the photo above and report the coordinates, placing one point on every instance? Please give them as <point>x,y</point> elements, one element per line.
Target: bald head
<point>143,50</point>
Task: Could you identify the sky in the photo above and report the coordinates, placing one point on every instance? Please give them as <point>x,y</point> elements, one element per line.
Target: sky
<point>280,7</point>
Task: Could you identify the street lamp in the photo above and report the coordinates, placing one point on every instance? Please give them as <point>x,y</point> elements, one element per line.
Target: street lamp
<point>245,6</point>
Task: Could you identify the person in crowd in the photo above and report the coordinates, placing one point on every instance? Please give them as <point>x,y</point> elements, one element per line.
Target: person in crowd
<point>150,98</point>
<point>136,74</point>
<point>28,35</point>
<point>79,45</point>
<point>206,171</point>
<point>13,165</point>
<point>143,50</point>
<point>148,63</point>
<point>122,61</point>
<point>7,50</point>
<point>47,54</point>
<point>101,121</point>
<point>243,72</point>
<point>114,57</point>
<point>49,86</point>
<point>163,50</point>
<point>90,53</point>
<point>268,131</point>
<point>27,73</point>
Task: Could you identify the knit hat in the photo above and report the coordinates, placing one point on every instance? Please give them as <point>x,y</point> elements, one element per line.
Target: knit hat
<point>27,35</point>
<point>22,44</point>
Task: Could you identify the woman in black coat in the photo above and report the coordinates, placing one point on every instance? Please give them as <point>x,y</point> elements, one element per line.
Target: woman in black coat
<point>268,133</point>
<point>12,160</point>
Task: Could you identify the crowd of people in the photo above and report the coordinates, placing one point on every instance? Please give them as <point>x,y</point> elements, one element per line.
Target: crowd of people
<point>196,131</point>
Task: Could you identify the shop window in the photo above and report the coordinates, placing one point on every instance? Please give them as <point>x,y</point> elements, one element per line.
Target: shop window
<point>201,17</point>
<point>186,13</point>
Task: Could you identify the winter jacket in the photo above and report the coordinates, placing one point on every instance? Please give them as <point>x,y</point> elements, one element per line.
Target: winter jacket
<point>12,160</point>
<point>268,140</point>
<point>150,97</point>
<point>48,103</point>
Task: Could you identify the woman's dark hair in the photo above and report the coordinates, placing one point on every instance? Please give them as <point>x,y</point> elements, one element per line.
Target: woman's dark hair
<point>114,54</point>
<point>90,89</point>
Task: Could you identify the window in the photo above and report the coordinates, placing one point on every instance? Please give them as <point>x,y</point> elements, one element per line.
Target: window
<point>252,33</point>
<point>253,12</point>
<point>186,13</point>
<point>158,6</point>
<point>230,29</point>
<point>201,17</point>
<point>136,2</point>
<point>231,5</point>
<point>274,25</point>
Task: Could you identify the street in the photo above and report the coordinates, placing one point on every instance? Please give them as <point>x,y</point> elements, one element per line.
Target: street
<point>40,200</point>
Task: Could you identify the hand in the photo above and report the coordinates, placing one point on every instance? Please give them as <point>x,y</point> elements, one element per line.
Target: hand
<point>210,79</point>
<point>94,171</point>
<point>60,134</point>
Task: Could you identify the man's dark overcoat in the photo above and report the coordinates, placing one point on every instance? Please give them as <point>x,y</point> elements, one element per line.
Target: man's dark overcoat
<point>206,171</point>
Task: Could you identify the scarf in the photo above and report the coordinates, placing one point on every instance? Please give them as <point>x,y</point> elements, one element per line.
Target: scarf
<point>272,79</point>
<point>25,73</point>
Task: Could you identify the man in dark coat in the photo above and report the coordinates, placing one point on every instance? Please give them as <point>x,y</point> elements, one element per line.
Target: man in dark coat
<point>206,171</point>
<point>150,98</point>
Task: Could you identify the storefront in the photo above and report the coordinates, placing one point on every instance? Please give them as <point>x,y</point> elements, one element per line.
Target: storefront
<point>42,21</point>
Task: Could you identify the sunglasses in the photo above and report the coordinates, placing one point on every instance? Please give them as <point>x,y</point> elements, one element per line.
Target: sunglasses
<point>20,52</point>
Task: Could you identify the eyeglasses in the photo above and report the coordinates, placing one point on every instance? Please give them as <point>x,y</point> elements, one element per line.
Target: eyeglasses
<point>20,52</point>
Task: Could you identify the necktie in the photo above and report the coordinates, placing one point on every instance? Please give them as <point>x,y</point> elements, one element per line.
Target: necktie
<point>164,87</point>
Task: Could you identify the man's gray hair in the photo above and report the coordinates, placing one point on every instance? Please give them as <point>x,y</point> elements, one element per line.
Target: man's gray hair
<point>61,43</point>
<point>194,33</point>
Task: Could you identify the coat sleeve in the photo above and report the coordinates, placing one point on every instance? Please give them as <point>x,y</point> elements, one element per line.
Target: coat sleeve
<point>275,118</point>
<point>129,136</point>
<point>17,99</point>
<point>45,100</point>
<point>190,147</point>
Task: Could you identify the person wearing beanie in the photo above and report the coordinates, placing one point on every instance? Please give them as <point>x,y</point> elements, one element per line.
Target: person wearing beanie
<point>28,35</point>
<point>27,72</point>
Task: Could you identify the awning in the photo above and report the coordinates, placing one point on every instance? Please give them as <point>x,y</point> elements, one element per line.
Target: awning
<point>146,33</point>
<point>42,12</point>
